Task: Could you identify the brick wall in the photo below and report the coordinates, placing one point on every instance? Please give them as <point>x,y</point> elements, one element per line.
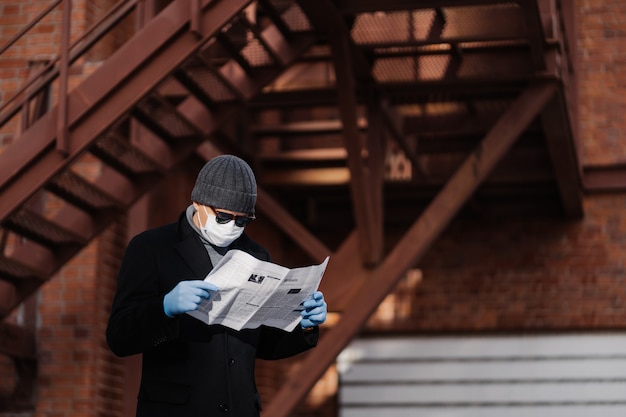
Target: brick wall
<point>602,80</point>
<point>520,275</point>
<point>77,375</point>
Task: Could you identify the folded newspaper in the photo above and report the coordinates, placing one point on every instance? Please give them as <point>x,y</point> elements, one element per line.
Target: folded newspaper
<point>254,292</point>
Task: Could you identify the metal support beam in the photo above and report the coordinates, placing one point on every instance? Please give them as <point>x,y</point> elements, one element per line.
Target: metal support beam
<point>604,178</point>
<point>413,245</point>
<point>365,199</point>
<point>345,274</point>
<point>64,63</point>
<point>536,35</point>
<point>376,146</point>
<point>395,126</point>
<point>361,182</point>
<point>562,150</point>
<point>371,6</point>
<point>17,342</point>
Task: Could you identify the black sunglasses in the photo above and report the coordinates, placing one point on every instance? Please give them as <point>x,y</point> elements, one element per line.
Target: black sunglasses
<point>223,218</point>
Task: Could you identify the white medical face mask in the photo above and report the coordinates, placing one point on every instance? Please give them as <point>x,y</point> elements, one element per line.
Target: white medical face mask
<point>220,235</point>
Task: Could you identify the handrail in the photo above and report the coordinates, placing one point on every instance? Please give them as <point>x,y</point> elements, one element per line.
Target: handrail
<point>29,26</point>
<point>566,31</point>
<point>66,29</point>
<point>120,10</point>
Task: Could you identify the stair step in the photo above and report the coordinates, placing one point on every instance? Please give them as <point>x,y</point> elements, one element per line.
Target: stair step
<point>14,271</point>
<point>81,193</point>
<point>117,152</point>
<point>206,82</point>
<point>39,229</point>
<point>162,118</point>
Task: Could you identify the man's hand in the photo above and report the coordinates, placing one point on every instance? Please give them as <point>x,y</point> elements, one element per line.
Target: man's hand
<point>187,296</point>
<point>314,312</point>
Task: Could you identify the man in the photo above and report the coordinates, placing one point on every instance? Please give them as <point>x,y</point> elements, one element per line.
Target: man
<point>189,368</point>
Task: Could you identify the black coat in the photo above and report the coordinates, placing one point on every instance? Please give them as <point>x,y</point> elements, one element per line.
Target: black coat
<point>188,369</point>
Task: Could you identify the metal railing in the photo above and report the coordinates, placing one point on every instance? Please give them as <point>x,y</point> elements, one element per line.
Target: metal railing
<point>57,69</point>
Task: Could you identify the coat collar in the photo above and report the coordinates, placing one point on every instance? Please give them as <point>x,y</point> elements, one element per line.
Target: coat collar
<point>191,249</point>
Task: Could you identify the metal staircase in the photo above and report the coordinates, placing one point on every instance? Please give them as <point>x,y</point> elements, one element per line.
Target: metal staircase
<point>142,112</point>
<point>450,85</point>
<point>132,90</point>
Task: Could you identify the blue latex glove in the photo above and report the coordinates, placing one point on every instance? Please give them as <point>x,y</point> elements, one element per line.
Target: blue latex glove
<point>187,296</point>
<point>314,312</point>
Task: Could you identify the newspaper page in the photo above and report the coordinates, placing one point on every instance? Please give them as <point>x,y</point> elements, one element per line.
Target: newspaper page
<point>254,292</point>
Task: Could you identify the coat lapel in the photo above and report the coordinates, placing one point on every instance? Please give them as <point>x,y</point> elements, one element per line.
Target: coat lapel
<point>191,249</point>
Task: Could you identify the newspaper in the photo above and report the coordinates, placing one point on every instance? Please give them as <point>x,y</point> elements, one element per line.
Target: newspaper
<point>254,292</point>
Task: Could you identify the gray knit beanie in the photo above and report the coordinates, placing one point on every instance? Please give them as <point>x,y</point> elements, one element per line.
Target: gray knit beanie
<point>226,182</point>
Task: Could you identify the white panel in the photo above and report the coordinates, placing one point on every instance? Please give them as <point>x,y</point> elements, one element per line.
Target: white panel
<point>484,393</point>
<point>486,370</point>
<point>572,375</point>
<point>492,347</point>
<point>554,411</point>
